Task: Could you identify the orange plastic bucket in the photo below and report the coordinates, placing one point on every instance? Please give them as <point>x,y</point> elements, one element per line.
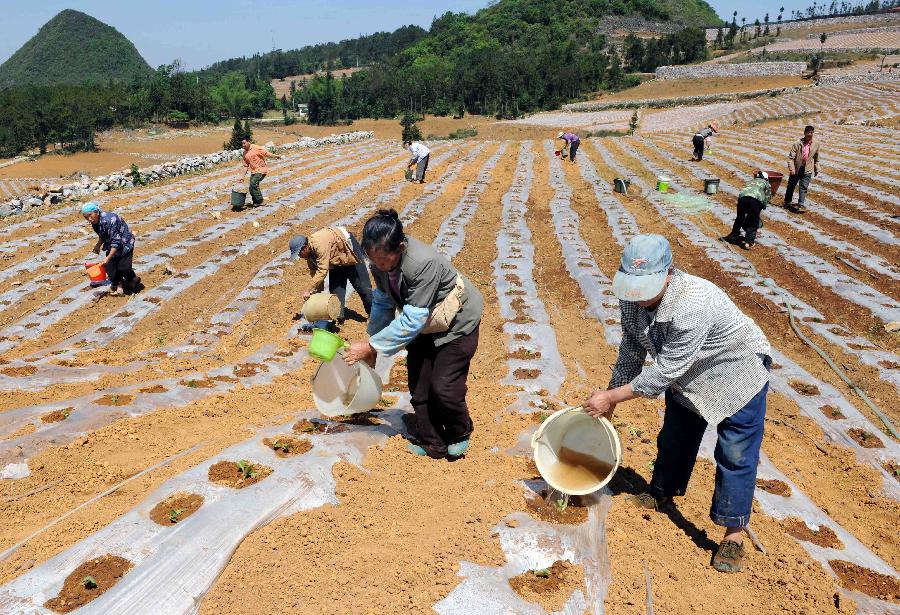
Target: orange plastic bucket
<point>96,272</point>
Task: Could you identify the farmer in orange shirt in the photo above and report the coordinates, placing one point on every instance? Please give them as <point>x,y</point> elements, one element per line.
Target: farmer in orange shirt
<point>255,161</point>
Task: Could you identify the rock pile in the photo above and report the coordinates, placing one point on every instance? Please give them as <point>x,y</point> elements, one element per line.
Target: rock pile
<point>749,69</point>
<point>86,187</point>
<point>676,101</point>
<point>859,78</point>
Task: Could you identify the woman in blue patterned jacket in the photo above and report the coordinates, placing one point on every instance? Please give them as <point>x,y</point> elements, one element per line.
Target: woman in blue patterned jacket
<point>117,240</point>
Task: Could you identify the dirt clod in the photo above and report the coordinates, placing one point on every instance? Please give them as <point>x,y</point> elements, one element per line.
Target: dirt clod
<point>15,372</point>
<point>550,587</point>
<point>175,508</point>
<point>865,439</point>
<point>774,486</point>
<point>156,388</point>
<point>869,582</point>
<point>288,446</point>
<point>804,388</point>
<point>57,415</point>
<point>115,400</point>
<point>228,473</point>
<point>823,537</point>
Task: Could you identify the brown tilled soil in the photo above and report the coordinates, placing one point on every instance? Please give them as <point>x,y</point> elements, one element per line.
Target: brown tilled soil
<point>774,486</point>
<point>824,536</point>
<point>90,580</point>
<point>558,509</point>
<point>228,473</point>
<point>288,446</point>
<point>550,587</point>
<point>857,578</point>
<point>57,415</point>
<point>177,507</point>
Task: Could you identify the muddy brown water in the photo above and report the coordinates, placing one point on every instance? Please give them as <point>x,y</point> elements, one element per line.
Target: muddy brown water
<point>576,471</point>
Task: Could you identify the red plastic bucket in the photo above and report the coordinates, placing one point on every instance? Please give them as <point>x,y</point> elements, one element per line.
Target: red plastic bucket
<point>775,180</point>
<point>96,272</point>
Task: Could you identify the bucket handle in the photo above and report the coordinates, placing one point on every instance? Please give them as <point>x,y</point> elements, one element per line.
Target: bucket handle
<point>539,433</point>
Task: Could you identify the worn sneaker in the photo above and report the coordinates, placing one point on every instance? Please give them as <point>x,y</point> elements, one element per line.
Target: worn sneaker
<point>729,557</point>
<point>743,244</point>
<point>458,449</point>
<point>415,449</point>
<point>115,291</point>
<point>646,500</point>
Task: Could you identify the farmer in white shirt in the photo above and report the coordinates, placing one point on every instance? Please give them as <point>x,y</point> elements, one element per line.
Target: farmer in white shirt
<point>711,362</point>
<point>420,156</point>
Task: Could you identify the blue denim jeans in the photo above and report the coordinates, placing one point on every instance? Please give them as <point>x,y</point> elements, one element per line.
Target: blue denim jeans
<point>736,455</point>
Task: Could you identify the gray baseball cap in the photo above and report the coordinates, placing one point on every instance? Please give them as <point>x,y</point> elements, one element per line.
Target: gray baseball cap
<point>297,244</point>
<point>643,269</point>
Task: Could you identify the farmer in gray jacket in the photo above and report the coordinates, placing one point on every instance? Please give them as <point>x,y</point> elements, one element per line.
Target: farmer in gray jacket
<point>711,361</point>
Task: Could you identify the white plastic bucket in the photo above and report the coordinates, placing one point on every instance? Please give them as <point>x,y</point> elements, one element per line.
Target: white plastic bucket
<point>576,453</point>
<point>340,389</point>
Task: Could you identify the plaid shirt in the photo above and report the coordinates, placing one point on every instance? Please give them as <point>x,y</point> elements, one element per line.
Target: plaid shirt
<point>114,233</point>
<point>703,347</point>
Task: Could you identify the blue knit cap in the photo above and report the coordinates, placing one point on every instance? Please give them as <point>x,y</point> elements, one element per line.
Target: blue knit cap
<point>89,207</point>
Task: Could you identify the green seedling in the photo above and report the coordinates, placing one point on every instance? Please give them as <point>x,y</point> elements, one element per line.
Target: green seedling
<point>160,340</point>
<point>544,573</point>
<point>114,398</point>
<point>635,432</point>
<point>246,469</point>
<point>651,465</point>
<point>192,384</point>
<point>174,514</point>
<point>66,413</point>
<point>897,472</point>
<point>89,583</point>
<point>561,504</point>
<point>284,447</point>
<point>310,428</point>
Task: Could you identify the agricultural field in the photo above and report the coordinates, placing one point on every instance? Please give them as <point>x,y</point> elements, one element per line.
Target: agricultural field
<point>166,445</point>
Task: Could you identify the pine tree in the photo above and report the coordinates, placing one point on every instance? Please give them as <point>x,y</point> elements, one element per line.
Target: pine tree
<point>633,123</point>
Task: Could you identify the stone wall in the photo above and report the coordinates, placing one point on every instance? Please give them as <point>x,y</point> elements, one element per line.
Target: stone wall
<point>677,101</point>
<point>749,69</point>
<point>812,24</point>
<point>860,78</point>
<point>86,187</point>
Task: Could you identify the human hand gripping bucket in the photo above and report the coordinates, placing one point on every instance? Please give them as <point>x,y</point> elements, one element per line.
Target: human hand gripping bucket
<point>96,272</point>
<point>576,453</point>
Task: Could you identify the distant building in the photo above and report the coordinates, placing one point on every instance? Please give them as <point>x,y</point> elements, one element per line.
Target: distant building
<point>302,110</point>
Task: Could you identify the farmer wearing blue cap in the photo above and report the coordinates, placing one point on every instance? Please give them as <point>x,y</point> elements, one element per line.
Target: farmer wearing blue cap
<point>117,240</point>
<point>333,252</point>
<point>711,361</point>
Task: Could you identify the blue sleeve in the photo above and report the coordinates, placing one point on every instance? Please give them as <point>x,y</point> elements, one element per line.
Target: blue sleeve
<point>382,312</point>
<point>401,331</point>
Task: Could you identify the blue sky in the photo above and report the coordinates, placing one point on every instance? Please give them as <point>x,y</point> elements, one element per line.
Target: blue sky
<point>204,31</point>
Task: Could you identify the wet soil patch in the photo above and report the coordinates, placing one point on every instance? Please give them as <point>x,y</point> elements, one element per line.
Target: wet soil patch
<point>364,419</point>
<point>893,469</point>
<point>125,314</point>
<point>156,388</point>
<point>201,383</point>
<point>155,300</point>
<point>823,537</point>
<point>869,582</point>
<point>527,374</point>
<point>889,364</point>
<point>57,415</point>
<point>245,370</point>
<point>555,511</point>
<point>550,587</point>
<point>774,486</point>
<point>90,580</point>
<point>288,446</point>
<point>524,354</point>
<point>224,379</point>
<point>66,300</point>
<point>832,413</point>
<point>316,427</point>
<point>115,400</point>
<point>32,325</point>
<point>804,388</point>
<point>865,439</point>
<point>104,329</point>
<point>230,474</point>
<point>25,370</point>
<point>177,507</point>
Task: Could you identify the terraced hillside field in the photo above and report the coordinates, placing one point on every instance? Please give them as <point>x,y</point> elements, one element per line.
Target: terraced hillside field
<point>206,365</point>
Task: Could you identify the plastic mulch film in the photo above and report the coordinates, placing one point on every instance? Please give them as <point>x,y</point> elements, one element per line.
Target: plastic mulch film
<point>595,286</point>
<point>797,504</point>
<point>743,272</point>
<point>452,232</point>
<point>620,221</point>
<point>174,566</point>
<point>415,207</point>
<point>691,204</point>
<point>527,324</point>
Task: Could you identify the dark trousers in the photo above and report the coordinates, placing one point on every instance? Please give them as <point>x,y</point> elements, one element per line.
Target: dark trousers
<point>422,167</point>
<point>802,178</point>
<point>748,211</point>
<point>699,145</point>
<point>437,384</point>
<point>358,277</point>
<point>736,455</point>
<point>573,149</point>
<point>255,192</point>
<point>119,269</point>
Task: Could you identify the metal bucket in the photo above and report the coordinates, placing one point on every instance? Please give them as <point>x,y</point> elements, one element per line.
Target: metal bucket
<point>238,199</point>
<point>711,186</point>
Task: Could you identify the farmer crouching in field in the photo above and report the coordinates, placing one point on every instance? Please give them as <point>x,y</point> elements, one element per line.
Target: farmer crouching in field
<point>702,139</point>
<point>255,160</point>
<point>712,362</point>
<point>802,152</point>
<point>116,239</point>
<point>420,157</point>
<point>752,200</point>
<point>571,143</point>
<point>333,252</point>
<point>424,304</point>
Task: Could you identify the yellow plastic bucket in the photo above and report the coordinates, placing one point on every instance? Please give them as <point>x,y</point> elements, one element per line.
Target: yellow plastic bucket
<point>324,345</point>
<point>662,184</point>
<point>576,453</point>
<point>321,306</point>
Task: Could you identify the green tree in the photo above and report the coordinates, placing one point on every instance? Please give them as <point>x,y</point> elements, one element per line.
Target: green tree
<point>410,132</point>
<point>231,96</point>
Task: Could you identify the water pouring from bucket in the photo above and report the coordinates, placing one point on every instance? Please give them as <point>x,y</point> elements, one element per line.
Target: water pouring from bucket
<point>575,453</point>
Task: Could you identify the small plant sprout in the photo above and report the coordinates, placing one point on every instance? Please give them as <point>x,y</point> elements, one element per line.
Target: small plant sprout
<point>66,413</point>
<point>635,432</point>
<point>284,447</point>
<point>192,383</point>
<point>246,468</point>
<point>114,398</point>
<point>160,340</point>
<point>651,465</point>
<point>89,583</point>
<point>174,514</point>
<point>561,504</point>
<point>544,573</point>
